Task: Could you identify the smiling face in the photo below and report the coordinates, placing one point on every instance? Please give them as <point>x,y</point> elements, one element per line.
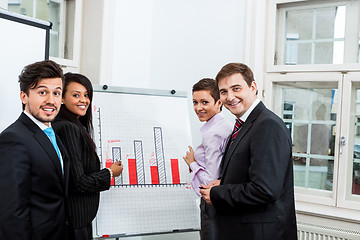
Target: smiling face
<point>76,99</point>
<point>43,101</point>
<point>236,95</point>
<point>205,106</point>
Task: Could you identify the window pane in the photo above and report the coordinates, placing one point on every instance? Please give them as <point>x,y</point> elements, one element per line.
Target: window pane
<point>356,170</point>
<point>293,50</point>
<point>323,16</point>
<point>300,22</point>
<point>314,36</point>
<point>300,139</point>
<point>356,152</point>
<point>54,11</point>
<point>323,53</point>
<point>309,112</point>
<point>54,17</point>
<point>358,50</point>
<point>321,138</point>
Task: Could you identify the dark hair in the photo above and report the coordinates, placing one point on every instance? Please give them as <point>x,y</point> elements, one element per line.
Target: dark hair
<point>33,73</point>
<point>232,68</point>
<point>83,122</point>
<point>208,84</point>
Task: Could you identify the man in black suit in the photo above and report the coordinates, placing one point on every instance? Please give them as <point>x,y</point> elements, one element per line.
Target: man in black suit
<point>33,173</point>
<point>255,197</point>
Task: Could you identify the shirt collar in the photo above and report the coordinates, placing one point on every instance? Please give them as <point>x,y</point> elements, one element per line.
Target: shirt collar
<point>251,108</point>
<point>37,122</point>
<point>211,121</point>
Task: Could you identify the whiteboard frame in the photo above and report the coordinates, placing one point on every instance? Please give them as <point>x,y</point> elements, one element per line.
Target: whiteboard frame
<point>138,91</point>
<point>32,22</point>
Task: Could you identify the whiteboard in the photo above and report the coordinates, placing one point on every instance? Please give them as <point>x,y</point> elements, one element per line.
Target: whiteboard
<point>23,41</point>
<point>149,131</point>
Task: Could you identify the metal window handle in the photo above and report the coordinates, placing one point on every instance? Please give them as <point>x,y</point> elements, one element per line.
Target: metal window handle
<point>342,143</point>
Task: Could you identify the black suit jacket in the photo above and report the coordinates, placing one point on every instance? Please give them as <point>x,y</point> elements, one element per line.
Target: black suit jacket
<point>86,178</point>
<point>32,186</point>
<point>255,199</point>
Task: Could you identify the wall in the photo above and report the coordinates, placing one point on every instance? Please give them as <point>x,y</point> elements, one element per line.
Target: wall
<point>162,44</point>
<point>165,44</point>
<point>192,40</point>
<point>91,40</point>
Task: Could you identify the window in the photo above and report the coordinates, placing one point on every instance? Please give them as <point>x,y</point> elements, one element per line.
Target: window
<point>354,140</point>
<point>314,36</point>
<point>316,33</point>
<point>309,110</point>
<point>61,14</point>
<point>314,80</point>
<point>312,134</point>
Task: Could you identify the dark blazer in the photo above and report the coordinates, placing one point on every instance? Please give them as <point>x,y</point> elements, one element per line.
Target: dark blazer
<point>86,178</point>
<point>32,186</point>
<point>255,199</point>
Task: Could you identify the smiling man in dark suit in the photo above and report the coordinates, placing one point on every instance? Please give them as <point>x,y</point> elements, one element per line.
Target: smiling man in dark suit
<point>33,172</point>
<point>255,197</point>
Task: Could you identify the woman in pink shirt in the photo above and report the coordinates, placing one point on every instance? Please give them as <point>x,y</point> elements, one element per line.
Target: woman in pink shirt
<point>205,161</point>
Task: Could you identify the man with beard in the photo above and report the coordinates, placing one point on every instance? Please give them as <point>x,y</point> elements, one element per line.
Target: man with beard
<point>33,166</point>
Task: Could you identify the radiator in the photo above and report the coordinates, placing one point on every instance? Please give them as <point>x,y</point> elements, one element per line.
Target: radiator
<point>308,231</point>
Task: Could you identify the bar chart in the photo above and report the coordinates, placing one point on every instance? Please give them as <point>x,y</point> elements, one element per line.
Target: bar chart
<point>137,167</point>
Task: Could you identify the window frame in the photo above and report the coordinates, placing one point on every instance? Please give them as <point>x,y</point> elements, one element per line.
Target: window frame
<point>309,194</point>
<point>73,63</point>
<point>276,15</point>
<point>345,198</point>
<point>62,29</point>
<point>340,203</point>
<point>65,6</point>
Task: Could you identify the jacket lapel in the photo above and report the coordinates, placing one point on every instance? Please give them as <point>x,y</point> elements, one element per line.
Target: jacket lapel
<point>244,129</point>
<point>66,166</point>
<point>44,141</point>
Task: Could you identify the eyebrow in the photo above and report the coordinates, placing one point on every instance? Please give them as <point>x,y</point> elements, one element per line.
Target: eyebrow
<point>44,86</point>
<point>76,91</point>
<point>232,86</point>
<point>41,86</point>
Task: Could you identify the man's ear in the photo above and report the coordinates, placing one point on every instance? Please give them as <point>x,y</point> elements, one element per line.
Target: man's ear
<point>254,87</point>
<point>23,97</point>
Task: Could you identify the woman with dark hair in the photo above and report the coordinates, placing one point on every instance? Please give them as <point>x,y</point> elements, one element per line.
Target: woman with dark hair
<point>74,127</point>
<point>205,161</point>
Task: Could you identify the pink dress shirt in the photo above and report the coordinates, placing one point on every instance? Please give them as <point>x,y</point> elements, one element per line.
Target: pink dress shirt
<point>208,155</point>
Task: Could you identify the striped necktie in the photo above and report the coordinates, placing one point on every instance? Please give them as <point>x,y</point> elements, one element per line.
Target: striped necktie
<point>238,124</point>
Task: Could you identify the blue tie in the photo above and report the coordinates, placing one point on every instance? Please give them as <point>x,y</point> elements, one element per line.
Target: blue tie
<point>51,134</point>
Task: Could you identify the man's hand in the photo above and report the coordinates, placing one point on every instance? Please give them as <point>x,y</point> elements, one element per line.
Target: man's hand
<point>205,190</point>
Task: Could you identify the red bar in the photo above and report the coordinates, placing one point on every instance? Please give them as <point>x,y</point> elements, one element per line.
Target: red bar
<point>154,175</point>
<point>132,171</point>
<point>175,171</point>
<point>108,163</point>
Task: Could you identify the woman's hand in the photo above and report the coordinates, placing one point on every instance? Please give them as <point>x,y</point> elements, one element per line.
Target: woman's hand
<point>117,168</point>
<point>189,157</point>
